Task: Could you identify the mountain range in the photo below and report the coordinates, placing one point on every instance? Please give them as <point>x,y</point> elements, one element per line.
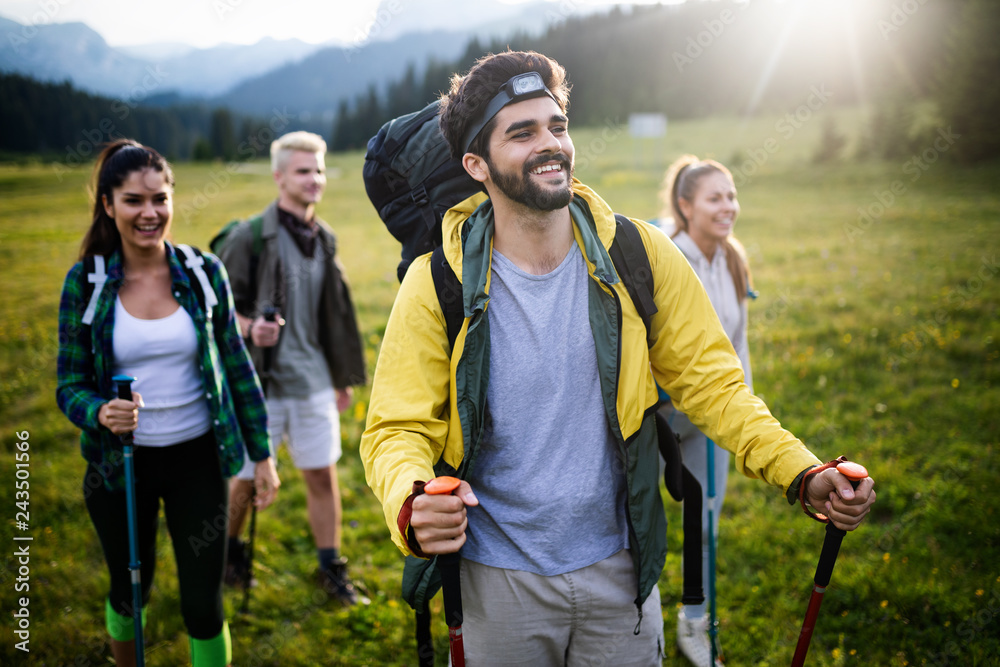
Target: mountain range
<point>75,52</point>
<point>308,79</point>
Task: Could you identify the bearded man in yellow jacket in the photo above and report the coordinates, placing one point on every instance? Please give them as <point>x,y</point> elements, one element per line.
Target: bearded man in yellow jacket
<point>544,405</point>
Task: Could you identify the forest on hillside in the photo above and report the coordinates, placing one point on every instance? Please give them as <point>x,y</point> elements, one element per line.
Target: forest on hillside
<point>694,59</point>
<point>699,59</point>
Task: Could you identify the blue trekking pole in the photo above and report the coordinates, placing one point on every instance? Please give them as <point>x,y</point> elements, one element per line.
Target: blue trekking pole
<point>124,383</point>
<point>713,628</point>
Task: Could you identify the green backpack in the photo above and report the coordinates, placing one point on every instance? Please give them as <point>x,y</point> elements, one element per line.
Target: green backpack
<point>256,223</point>
<point>218,242</point>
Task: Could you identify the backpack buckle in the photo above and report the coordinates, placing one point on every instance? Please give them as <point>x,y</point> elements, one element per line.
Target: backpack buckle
<point>420,197</point>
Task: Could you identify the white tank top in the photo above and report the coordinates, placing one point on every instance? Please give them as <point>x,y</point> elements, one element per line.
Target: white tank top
<point>162,355</point>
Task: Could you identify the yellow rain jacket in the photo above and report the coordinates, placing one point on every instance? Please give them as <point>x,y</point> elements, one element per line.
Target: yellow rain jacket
<point>428,401</point>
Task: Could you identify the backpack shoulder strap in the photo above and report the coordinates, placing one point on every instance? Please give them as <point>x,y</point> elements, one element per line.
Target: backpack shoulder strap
<point>627,252</point>
<point>97,275</point>
<point>449,293</point>
<point>393,144</point>
<point>194,263</point>
<point>683,486</point>
<point>257,227</point>
<point>632,264</point>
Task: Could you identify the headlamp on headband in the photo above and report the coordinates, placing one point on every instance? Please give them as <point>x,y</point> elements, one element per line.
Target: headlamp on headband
<point>518,88</point>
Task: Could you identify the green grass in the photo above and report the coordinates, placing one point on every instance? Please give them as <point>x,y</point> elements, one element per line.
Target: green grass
<point>879,341</point>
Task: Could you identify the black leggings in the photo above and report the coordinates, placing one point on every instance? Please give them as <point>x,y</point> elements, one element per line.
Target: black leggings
<point>195,497</point>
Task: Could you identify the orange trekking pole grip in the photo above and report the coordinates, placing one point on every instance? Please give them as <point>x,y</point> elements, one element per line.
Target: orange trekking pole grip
<point>451,582</point>
<point>824,569</point>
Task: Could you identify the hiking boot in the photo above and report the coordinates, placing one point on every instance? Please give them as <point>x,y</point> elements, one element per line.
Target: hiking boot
<point>335,581</point>
<point>693,641</point>
<point>237,565</point>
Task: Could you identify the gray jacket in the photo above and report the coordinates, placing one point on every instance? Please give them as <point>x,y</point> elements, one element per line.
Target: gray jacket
<point>338,330</point>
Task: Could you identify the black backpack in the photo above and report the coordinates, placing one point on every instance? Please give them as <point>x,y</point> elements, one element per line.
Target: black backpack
<point>412,180</point>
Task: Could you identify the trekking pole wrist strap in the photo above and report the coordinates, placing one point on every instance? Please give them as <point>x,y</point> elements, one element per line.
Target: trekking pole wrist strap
<point>822,518</point>
<point>403,521</point>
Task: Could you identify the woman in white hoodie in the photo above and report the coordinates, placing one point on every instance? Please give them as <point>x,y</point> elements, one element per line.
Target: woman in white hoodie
<point>700,209</point>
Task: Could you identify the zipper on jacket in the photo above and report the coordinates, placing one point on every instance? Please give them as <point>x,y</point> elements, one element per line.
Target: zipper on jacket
<point>628,490</point>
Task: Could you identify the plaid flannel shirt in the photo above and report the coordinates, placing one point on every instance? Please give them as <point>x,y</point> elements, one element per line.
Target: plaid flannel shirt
<point>232,389</point>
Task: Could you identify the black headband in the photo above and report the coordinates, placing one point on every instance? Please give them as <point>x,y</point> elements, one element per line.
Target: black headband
<point>519,87</point>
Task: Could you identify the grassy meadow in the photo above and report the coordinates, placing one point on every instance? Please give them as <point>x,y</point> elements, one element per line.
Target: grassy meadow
<point>876,336</point>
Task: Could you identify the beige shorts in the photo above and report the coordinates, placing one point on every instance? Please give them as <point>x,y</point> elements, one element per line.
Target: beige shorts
<point>309,427</point>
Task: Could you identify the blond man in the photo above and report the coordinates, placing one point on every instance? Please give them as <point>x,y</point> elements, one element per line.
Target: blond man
<point>295,311</point>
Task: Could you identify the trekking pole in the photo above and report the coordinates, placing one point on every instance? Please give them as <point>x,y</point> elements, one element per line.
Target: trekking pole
<point>824,569</point>
<point>124,383</point>
<point>451,581</point>
<point>713,627</point>
<point>248,575</point>
<point>270,314</point>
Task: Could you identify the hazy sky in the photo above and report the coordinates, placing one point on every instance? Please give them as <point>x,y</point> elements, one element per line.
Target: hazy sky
<point>201,22</point>
<point>206,22</point>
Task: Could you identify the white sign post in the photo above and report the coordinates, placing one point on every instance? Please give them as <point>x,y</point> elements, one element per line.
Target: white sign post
<point>643,126</point>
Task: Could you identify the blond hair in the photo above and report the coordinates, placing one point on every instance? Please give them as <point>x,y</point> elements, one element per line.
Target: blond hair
<point>284,145</point>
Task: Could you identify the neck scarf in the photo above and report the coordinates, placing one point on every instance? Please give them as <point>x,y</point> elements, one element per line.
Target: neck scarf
<point>303,233</point>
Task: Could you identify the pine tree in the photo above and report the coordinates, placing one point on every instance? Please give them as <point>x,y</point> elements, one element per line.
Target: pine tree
<point>967,91</point>
<point>222,134</point>
<point>343,128</point>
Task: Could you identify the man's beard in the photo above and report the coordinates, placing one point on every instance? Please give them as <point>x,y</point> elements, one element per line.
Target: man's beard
<point>524,190</point>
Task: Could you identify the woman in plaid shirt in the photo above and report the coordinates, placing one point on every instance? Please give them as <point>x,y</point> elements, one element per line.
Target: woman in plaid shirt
<point>130,307</point>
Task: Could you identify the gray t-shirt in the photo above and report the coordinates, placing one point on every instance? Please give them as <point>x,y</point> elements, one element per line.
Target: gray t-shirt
<point>299,368</point>
<point>548,479</point>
